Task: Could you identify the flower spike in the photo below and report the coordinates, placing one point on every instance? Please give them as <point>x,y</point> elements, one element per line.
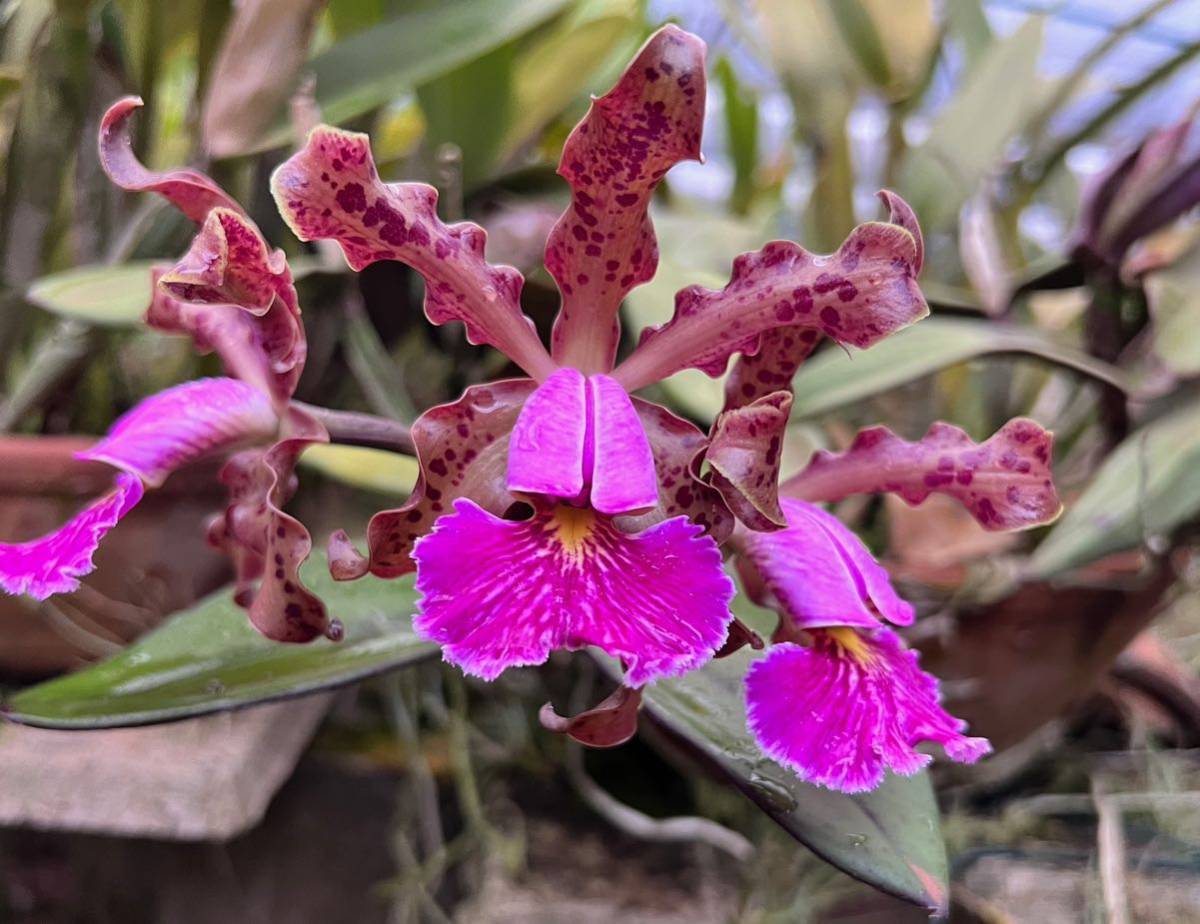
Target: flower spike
<point>1005,482</point>
<point>330,190</point>
<point>604,244</point>
<point>858,295</point>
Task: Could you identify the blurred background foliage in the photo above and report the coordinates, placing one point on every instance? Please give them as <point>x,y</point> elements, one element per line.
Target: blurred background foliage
<point>1054,295</point>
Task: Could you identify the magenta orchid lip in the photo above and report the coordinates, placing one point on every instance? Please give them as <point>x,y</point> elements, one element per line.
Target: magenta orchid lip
<point>561,510</point>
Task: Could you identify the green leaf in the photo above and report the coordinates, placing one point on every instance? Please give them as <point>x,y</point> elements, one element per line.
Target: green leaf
<point>1174,297</point>
<point>362,467</point>
<point>969,134</point>
<point>834,378</point>
<point>557,67</point>
<point>377,65</point>
<point>1148,486</point>
<point>209,659</point>
<point>889,838</point>
<point>109,296</point>
<point>741,129</point>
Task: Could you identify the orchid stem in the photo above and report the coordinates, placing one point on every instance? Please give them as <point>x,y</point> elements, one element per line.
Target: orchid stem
<point>354,428</point>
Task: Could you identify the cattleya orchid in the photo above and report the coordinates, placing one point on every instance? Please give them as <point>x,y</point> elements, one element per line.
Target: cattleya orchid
<point>560,510</point>
<point>232,295</point>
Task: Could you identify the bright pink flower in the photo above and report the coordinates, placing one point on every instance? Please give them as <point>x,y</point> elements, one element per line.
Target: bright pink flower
<point>233,295</point>
<point>560,511</point>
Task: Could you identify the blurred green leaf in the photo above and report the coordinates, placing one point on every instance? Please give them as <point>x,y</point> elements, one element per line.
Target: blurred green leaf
<point>968,24</point>
<point>556,67</point>
<point>362,467</point>
<point>833,378</point>
<point>110,296</point>
<point>858,31</point>
<point>378,64</point>
<point>889,838</point>
<point>970,132</point>
<point>1148,486</point>
<point>1174,297</point>
<point>741,130</point>
<point>209,659</point>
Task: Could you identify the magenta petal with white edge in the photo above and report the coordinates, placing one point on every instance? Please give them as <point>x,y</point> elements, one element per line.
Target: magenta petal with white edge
<point>498,593</point>
<point>182,424</point>
<point>1005,482</point>
<point>54,563</point>
<point>548,444</point>
<point>820,574</point>
<point>852,706</point>
<point>623,473</point>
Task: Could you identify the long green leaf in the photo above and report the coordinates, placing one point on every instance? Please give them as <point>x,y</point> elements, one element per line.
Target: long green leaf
<point>889,838</point>
<point>834,378</point>
<point>1147,487</point>
<point>209,659</point>
<point>375,66</point>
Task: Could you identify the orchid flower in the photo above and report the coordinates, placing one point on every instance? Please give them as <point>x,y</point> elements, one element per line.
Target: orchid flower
<point>559,510</point>
<point>233,295</point>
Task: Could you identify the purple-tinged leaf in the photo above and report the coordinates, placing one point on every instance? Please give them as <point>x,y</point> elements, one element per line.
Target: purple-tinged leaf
<point>611,722</point>
<point>744,453</point>
<point>858,295</point>
<point>1005,482</point>
<point>604,243</point>
<point>330,190</point>
<point>191,192</point>
<point>462,449</point>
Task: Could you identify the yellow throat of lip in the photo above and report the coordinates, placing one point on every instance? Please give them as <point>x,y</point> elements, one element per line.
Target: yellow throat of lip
<point>851,643</point>
<point>573,526</point>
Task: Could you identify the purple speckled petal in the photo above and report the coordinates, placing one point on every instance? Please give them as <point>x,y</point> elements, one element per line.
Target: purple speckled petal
<point>330,190</point>
<point>462,448</point>
<point>182,424</point>
<point>744,454</point>
<point>818,573</point>
<point>547,447</point>
<point>266,542</point>
<point>500,593</point>
<point>54,563</point>
<point>780,353</point>
<point>858,295</point>
<point>678,448</point>
<point>1005,482</point>
<point>604,245</point>
<point>611,722</point>
<point>234,294</point>
<point>852,706</point>
<point>623,473</point>
<point>192,193</point>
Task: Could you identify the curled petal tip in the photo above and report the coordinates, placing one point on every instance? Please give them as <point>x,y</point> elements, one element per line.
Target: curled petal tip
<point>335,631</point>
<point>346,563</point>
<point>610,723</point>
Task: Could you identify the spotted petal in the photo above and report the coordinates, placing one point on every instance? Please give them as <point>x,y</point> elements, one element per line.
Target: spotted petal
<point>818,573</point>
<point>191,192</point>
<point>502,593</point>
<point>330,190</point>
<point>1005,482</point>
<point>604,244</point>
<point>462,449</point>
<point>780,353</point>
<point>266,542</point>
<point>850,707</point>
<point>230,269</point>
<point>744,453</point>
<point>159,435</point>
<point>857,296</point>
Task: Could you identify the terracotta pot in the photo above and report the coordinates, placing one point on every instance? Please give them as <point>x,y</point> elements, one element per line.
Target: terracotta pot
<point>153,563</point>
